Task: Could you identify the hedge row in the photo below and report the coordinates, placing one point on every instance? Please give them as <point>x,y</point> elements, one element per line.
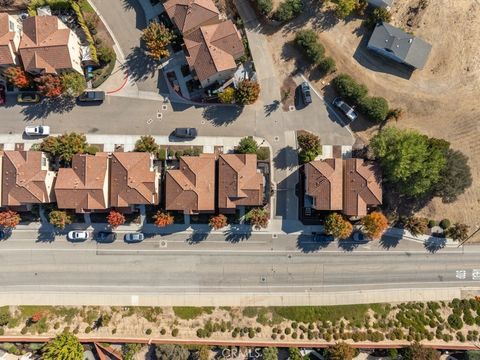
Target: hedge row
<point>104,73</point>
<point>308,42</point>
<point>376,108</point>
<point>81,21</point>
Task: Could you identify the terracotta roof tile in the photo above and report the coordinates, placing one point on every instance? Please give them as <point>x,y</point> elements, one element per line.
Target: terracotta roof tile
<point>324,183</point>
<point>24,181</point>
<point>190,14</point>
<point>132,179</point>
<point>239,182</point>
<point>362,183</point>
<point>84,186</point>
<point>213,48</point>
<point>44,45</point>
<point>191,187</point>
<point>6,41</point>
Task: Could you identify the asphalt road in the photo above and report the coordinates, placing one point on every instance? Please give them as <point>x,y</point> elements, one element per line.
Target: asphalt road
<point>167,265</point>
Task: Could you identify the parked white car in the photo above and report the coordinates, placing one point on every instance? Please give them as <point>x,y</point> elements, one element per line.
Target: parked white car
<point>77,235</point>
<point>41,130</point>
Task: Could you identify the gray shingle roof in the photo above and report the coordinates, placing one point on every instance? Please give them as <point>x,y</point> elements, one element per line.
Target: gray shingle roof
<point>383,3</point>
<point>410,49</point>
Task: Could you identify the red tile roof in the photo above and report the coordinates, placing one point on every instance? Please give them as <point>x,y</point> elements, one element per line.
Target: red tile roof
<point>191,187</point>
<point>324,183</point>
<point>239,182</point>
<point>190,14</point>
<point>132,179</point>
<point>6,41</point>
<point>213,48</point>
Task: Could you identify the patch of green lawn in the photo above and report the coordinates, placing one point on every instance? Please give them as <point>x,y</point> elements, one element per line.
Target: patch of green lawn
<point>190,312</point>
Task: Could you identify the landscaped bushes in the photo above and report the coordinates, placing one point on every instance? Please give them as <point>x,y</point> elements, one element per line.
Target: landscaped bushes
<point>308,42</point>
<point>288,10</point>
<point>265,6</point>
<point>375,108</point>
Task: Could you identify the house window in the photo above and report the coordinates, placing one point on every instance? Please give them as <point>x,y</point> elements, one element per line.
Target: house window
<point>11,25</point>
<point>44,162</point>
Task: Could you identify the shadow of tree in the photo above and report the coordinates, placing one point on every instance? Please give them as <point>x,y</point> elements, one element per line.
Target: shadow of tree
<point>349,244</point>
<point>49,236</point>
<point>42,110</point>
<point>237,233</point>
<point>286,158</point>
<point>197,237</point>
<point>389,241</point>
<point>434,244</point>
<point>139,65</point>
<point>270,108</point>
<point>307,244</point>
<point>222,115</point>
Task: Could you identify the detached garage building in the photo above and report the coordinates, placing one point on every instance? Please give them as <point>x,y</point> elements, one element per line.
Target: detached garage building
<point>399,46</point>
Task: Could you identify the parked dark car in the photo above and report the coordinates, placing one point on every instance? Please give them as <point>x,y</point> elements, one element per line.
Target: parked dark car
<point>306,94</point>
<point>28,97</point>
<point>134,237</point>
<point>92,96</point>
<point>105,236</point>
<point>346,109</point>
<point>185,133</point>
<point>3,96</point>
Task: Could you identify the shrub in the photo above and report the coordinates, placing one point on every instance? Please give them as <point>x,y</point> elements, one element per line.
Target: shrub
<point>458,232</point>
<point>444,224</point>
<point>265,6</point>
<point>432,223</point>
<point>73,83</point>
<point>288,331</point>
<point>218,221</point>
<point>455,321</point>
<point>106,54</point>
<point>288,10</point>
<point>307,41</point>
<point>49,85</point>
<point>9,219</point>
<point>18,77</point>
<point>263,153</point>
<point>374,224</point>
<point>417,225</point>
<point>163,331</point>
<point>349,89</point>
<point>148,331</point>
<point>162,219</point>
<point>345,7</point>
<point>115,219</point>
<point>258,218</point>
<point>379,15</point>
<point>375,108</point>
<point>310,147</point>
<point>174,332</point>
<point>146,143</point>
<point>247,145</point>
<point>337,226</point>
<point>24,330</point>
<point>247,92</point>
<point>59,218</point>
<point>227,96</point>
<point>88,329</point>
<point>327,65</point>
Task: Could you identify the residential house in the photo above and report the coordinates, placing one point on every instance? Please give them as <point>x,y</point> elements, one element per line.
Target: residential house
<point>351,186</point>
<point>239,182</point>
<point>133,179</point>
<point>380,3</point>
<point>48,46</point>
<point>324,184</point>
<point>26,179</point>
<point>9,40</point>
<point>361,187</point>
<point>84,186</point>
<point>191,187</point>
<point>189,15</point>
<point>399,46</point>
<point>212,50</point>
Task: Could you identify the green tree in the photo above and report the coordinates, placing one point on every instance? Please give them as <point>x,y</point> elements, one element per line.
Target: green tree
<point>130,350</point>
<point>458,232</point>
<point>64,146</point>
<point>327,65</point>
<point>418,352</point>
<point>408,160</point>
<point>59,218</point>
<point>157,37</point>
<point>227,96</point>
<point>247,92</point>
<point>265,6</point>
<point>270,353</point>
<point>348,88</point>
<point>247,145</point>
<point>310,147</point>
<point>308,42</point>
<point>294,354</point>
<point>345,7</point>
<point>341,351</point>
<point>379,15</point>
<point>375,108</point>
<point>49,85</point>
<point>455,177</point>
<point>258,218</point>
<point>18,77</point>
<point>171,352</point>
<point>64,347</point>
<point>73,83</point>
<point>337,226</point>
<point>146,143</point>
<point>288,10</point>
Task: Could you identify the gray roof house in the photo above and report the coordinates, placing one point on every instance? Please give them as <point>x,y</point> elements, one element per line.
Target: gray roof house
<point>397,45</point>
<point>380,3</point>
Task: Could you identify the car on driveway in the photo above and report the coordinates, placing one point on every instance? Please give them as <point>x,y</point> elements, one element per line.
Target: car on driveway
<point>306,93</point>
<point>3,95</point>
<point>134,237</point>
<point>105,236</point>
<point>28,97</point>
<point>76,235</point>
<point>185,133</point>
<point>41,130</point>
<point>346,109</point>
<point>92,96</point>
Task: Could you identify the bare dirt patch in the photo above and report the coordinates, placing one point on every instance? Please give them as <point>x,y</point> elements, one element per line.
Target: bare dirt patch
<point>440,100</point>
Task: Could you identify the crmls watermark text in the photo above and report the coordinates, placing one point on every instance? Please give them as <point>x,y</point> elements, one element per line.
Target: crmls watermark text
<point>252,353</point>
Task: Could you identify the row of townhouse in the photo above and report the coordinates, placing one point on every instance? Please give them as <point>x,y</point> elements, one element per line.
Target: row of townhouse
<point>42,44</point>
<point>212,44</point>
<point>122,180</point>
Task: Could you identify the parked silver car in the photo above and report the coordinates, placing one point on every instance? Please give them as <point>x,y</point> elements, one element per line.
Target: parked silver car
<point>346,109</point>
